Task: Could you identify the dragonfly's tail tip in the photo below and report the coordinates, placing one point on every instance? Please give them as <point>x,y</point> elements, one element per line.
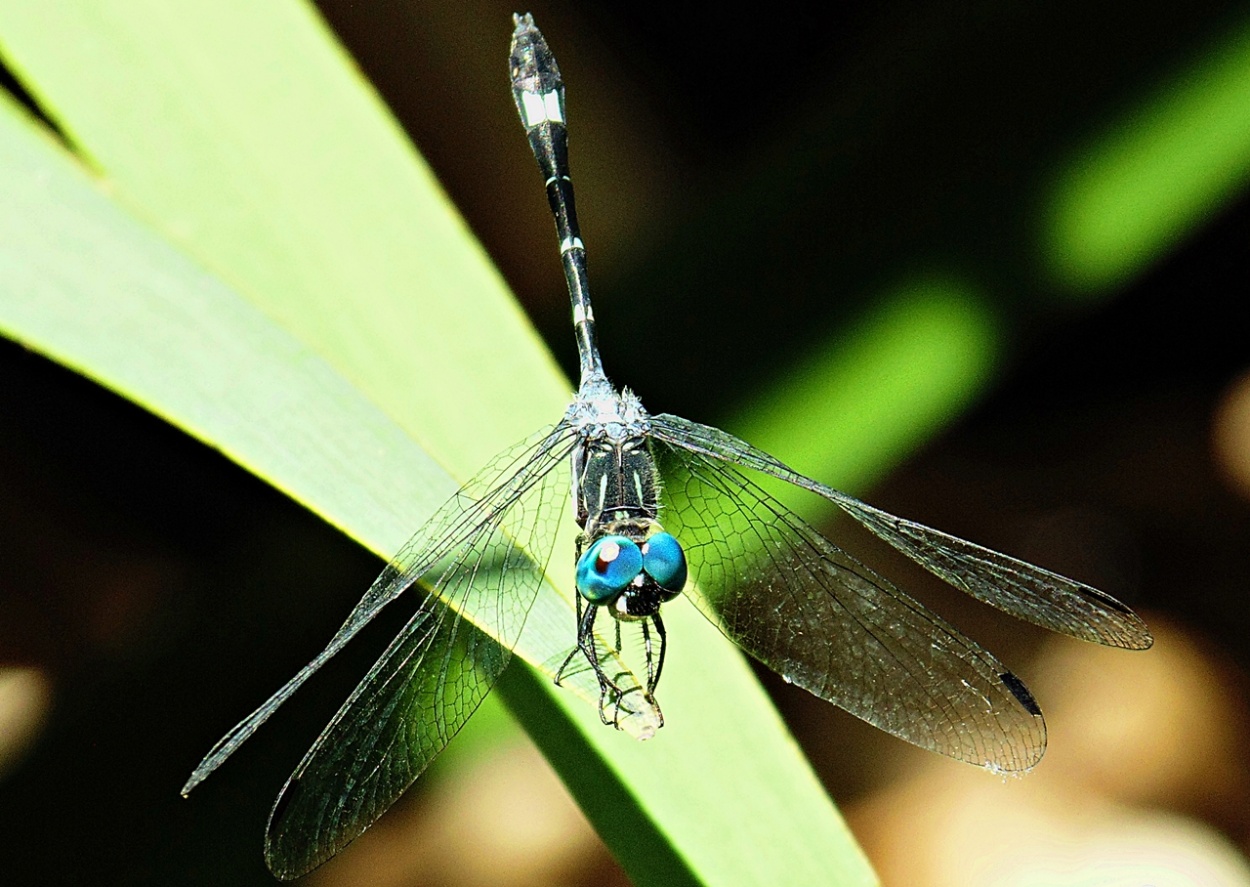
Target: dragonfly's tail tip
<point>192,781</point>
<point>523,23</point>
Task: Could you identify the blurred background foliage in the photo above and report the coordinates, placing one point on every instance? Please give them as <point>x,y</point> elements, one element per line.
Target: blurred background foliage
<point>981,263</point>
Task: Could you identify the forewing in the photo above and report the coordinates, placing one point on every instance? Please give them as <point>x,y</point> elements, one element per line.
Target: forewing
<point>429,681</point>
<point>1014,586</point>
<point>829,624</point>
<point>478,507</point>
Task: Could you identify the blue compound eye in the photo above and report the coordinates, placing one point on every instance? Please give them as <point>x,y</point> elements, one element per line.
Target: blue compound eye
<point>607,567</point>
<point>664,561</point>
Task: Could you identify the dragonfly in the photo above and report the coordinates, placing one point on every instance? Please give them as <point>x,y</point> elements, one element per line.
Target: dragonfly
<point>770,582</point>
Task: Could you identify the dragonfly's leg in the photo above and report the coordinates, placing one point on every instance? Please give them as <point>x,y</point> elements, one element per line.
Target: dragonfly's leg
<point>586,643</point>
<point>575,650</point>
<point>618,636</point>
<point>565,664</point>
<point>653,678</point>
<point>646,647</point>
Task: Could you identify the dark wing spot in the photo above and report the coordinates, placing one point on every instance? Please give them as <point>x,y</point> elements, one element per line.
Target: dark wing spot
<point>283,804</point>
<point>1021,692</point>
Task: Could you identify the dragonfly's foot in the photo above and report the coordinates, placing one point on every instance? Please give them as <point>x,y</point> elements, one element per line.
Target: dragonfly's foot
<point>564,665</point>
<point>622,711</point>
<point>614,706</point>
<point>608,699</point>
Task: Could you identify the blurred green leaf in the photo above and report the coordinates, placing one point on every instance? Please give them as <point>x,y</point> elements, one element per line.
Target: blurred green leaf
<point>877,391</point>
<point>1153,173</point>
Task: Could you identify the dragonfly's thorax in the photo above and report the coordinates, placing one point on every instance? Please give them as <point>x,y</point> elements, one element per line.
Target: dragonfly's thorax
<point>614,480</point>
<point>614,473</point>
<point>599,412</point>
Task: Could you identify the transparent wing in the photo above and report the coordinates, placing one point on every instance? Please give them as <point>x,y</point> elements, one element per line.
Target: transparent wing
<point>829,624</point>
<point>468,522</point>
<point>432,677</point>
<point>1014,586</point>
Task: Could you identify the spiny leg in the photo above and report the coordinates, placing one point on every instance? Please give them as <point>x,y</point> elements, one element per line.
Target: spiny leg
<point>608,688</point>
<point>586,644</point>
<point>575,650</point>
<point>653,674</point>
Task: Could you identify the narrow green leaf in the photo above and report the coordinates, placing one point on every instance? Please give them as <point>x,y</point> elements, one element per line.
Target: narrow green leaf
<point>242,134</point>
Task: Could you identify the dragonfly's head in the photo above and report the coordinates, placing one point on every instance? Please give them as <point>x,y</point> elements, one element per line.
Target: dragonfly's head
<point>631,568</point>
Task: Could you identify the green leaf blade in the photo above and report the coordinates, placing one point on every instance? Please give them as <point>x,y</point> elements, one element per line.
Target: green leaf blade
<point>272,165</point>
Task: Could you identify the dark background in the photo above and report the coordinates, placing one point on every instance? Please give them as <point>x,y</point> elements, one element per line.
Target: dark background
<point>747,185</point>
